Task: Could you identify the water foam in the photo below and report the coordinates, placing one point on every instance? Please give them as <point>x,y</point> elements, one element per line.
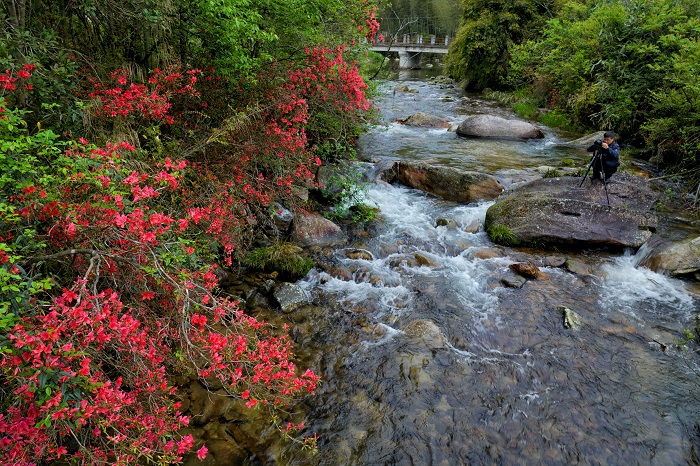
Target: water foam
<point>634,290</point>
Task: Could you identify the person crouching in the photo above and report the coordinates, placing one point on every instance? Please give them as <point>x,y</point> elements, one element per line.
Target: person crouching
<point>609,151</point>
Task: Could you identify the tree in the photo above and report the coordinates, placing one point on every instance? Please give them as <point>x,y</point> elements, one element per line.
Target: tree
<point>480,54</point>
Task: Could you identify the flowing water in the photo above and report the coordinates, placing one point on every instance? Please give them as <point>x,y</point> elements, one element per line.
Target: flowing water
<point>502,381</point>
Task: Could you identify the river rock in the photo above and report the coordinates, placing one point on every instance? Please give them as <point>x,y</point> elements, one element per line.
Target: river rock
<point>674,258</point>
<point>451,224</point>
<point>488,253</point>
<point>583,142</point>
<point>424,120</point>
<point>491,126</point>
<point>282,217</point>
<point>424,260</point>
<point>356,254</point>
<point>578,268</point>
<point>554,261</point>
<point>571,320</point>
<point>290,296</point>
<point>554,212</point>
<point>427,331</point>
<point>314,230</point>
<point>513,280</point>
<point>402,260</point>
<point>341,273</point>
<point>449,182</point>
<point>528,270</point>
<point>473,226</point>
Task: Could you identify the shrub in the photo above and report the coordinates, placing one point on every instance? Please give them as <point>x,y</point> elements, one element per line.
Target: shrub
<point>349,196</point>
<point>556,119</point>
<point>109,293</point>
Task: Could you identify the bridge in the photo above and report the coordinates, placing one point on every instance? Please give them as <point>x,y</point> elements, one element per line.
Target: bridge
<point>410,47</point>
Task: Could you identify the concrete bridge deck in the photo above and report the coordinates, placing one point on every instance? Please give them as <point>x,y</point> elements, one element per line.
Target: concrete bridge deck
<point>410,47</point>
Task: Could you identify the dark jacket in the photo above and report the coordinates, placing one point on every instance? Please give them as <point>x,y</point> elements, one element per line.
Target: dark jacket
<point>611,156</point>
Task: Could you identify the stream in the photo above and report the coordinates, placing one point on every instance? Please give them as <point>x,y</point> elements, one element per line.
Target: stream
<point>438,363</point>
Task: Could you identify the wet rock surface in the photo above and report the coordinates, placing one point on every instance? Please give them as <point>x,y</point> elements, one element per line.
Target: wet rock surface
<point>674,257</point>
<point>315,230</point>
<point>448,182</point>
<point>557,212</point>
<point>424,121</point>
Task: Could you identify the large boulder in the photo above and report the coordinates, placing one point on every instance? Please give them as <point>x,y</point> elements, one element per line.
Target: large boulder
<point>674,258</point>
<point>425,121</point>
<point>449,182</point>
<point>557,212</point>
<point>491,126</point>
<point>314,230</point>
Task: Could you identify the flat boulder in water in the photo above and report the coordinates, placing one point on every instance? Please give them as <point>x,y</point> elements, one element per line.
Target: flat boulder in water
<point>449,182</point>
<point>424,121</point>
<point>557,212</point>
<point>491,126</point>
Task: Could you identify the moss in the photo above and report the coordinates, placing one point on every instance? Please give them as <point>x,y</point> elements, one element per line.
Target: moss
<point>501,234</point>
<point>567,162</point>
<point>285,258</point>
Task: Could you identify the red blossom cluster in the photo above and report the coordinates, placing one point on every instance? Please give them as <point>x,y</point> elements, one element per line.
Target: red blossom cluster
<point>8,79</point>
<point>62,392</point>
<point>149,102</point>
<point>327,77</point>
<point>92,364</point>
<point>372,25</point>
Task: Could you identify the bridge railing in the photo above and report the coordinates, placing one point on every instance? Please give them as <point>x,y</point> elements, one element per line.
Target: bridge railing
<point>413,39</point>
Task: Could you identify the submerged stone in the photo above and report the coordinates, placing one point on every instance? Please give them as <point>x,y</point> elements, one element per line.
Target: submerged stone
<point>571,319</point>
<point>290,296</point>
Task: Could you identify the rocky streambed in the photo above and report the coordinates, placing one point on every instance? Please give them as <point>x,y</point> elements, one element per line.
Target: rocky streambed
<point>440,344</point>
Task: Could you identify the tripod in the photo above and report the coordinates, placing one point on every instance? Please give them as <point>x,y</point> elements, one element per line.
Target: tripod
<point>597,161</point>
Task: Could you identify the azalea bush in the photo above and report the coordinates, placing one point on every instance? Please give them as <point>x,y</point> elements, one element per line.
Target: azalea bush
<point>106,296</point>
<point>122,194</point>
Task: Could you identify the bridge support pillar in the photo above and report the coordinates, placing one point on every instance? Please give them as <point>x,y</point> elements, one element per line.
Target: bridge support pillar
<point>409,60</point>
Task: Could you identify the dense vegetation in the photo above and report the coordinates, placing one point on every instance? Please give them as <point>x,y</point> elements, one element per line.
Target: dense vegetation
<point>143,142</point>
<point>632,66</point>
<point>427,17</point>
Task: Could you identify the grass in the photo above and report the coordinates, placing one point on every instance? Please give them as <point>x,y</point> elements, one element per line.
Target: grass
<point>283,257</point>
<point>501,234</point>
<point>551,173</point>
<point>555,119</point>
<point>525,110</point>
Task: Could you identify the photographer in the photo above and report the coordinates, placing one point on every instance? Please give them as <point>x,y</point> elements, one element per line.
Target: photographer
<point>609,152</point>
